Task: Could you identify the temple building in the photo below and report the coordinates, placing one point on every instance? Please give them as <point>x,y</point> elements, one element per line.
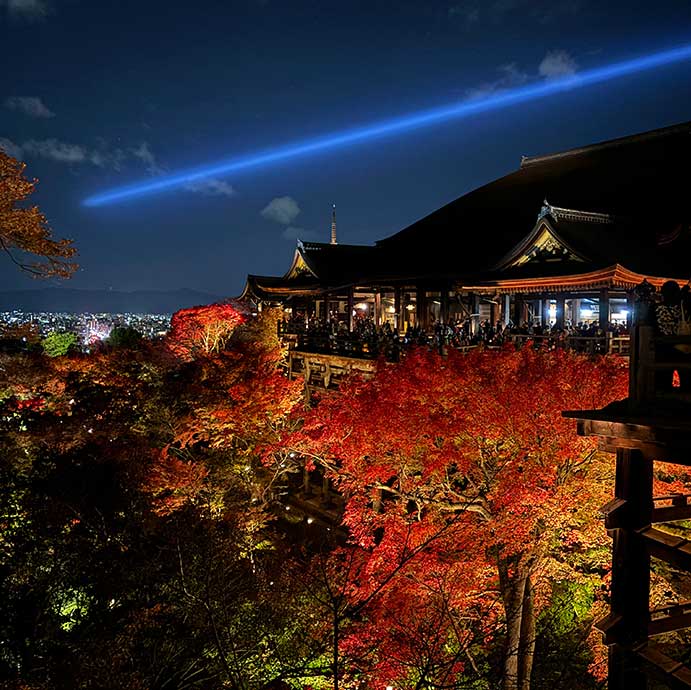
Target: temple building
<point>564,238</point>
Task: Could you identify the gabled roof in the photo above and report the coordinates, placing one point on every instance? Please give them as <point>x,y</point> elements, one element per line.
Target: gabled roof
<point>642,178</point>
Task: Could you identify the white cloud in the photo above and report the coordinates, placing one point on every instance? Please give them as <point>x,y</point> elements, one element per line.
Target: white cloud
<point>292,233</point>
<point>557,64</point>
<point>27,10</point>
<point>211,187</point>
<point>282,209</point>
<point>56,150</point>
<point>146,156</point>
<point>11,149</point>
<point>510,77</point>
<point>29,105</point>
<point>208,187</point>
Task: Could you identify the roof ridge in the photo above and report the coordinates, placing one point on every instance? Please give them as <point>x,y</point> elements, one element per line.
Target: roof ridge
<point>679,128</point>
<point>560,213</point>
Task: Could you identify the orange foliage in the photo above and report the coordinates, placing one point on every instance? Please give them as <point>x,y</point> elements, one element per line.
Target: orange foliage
<point>26,229</point>
<point>204,330</point>
<point>463,470</point>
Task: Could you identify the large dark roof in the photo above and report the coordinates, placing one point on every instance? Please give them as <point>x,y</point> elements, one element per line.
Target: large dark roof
<point>338,264</point>
<point>642,180</point>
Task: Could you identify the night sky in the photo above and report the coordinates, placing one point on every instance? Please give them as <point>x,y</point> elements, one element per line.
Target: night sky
<point>101,94</point>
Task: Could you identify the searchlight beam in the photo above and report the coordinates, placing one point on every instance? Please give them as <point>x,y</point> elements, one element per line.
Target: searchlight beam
<point>424,118</point>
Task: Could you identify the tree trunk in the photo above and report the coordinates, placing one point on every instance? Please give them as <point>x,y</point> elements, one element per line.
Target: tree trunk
<point>512,589</point>
<point>517,594</point>
<point>527,648</point>
<point>335,660</point>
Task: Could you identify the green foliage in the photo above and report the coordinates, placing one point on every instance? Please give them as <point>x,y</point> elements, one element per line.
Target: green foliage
<point>59,344</point>
<point>563,655</point>
<point>125,337</point>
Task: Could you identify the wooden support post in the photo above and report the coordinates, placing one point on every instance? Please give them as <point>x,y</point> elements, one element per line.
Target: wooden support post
<point>327,308</point>
<point>421,308</point>
<point>630,593</point>
<point>377,308</point>
<point>350,307</point>
<point>444,307</point>
<point>398,309</point>
<point>560,315</point>
<point>630,307</point>
<point>506,309</point>
<point>493,312</point>
<point>604,309</point>
<point>518,316</point>
<point>475,319</point>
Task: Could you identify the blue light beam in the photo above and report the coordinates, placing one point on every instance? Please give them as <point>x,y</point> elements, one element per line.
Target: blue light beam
<point>403,123</point>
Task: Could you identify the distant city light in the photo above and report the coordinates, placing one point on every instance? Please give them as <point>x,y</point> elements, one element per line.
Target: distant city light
<point>403,123</point>
<point>95,332</point>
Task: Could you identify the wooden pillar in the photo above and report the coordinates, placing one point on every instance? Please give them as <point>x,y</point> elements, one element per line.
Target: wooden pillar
<point>493,312</point>
<point>506,309</point>
<point>518,316</point>
<point>630,591</point>
<point>545,312</point>
<point>377,308</point>
<point>630,307</point>
<point>327,308</point>
<point>560,314</point>
<point>421,308</point>
<point>604,309</point>
<point>350,306</point>
<point>398,309</point>
<point>576,311</point>
<point>475,310</point>
<point>444,307</point>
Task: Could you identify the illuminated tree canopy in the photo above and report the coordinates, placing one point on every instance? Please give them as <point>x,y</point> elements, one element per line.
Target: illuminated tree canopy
<point>25,230</point>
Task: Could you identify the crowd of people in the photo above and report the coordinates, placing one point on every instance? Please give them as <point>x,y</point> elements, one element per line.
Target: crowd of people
<point>370,340</point>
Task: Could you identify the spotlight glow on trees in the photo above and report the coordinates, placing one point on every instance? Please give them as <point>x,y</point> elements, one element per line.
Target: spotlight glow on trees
<point>395,125</point>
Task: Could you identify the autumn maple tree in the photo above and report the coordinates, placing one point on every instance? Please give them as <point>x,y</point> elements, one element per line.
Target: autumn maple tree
<point>202,330</point>
<point>463,471</point>
<point>24,230</point>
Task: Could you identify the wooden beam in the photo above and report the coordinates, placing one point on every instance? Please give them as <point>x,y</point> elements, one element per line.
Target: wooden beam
<point>668,547</point>
<point>669,618</point>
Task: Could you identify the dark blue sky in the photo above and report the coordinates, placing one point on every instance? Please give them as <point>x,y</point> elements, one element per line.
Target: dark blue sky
<point>101,94</point>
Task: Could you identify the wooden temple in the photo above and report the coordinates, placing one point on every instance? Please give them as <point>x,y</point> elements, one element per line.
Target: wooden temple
<point>565,238</point>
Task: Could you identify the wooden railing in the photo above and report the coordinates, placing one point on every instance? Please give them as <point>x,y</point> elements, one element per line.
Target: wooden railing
<point>605,344</point>
<point>325,372</point>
